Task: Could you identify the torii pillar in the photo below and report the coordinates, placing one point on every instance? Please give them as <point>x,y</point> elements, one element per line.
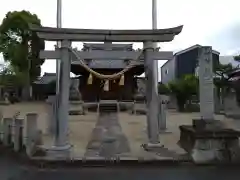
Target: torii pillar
<point>151,96</point>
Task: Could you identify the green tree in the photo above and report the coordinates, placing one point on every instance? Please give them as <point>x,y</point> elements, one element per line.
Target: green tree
<point>10,77</point>
<point>163,89</point>
<point>20,46</point>
<point>223,71</point>
<point>183,89</point>
<point>222,81</point>
<point>237,58</point>
<point>236,84</point>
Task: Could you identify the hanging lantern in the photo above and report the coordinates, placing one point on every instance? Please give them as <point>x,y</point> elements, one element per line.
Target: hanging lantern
<point>90,79</point>
<point>121,82</point>
<point>114,81</point>
<point>106,86</point>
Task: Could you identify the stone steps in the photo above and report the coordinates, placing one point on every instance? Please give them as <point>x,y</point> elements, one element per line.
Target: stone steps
<point>108,106</point>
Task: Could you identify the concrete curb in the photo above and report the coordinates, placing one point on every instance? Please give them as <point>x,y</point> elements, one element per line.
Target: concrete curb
<point>105,163</point>
<point>129,162</point>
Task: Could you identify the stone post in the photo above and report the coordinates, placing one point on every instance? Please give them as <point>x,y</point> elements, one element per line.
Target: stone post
<point>162,114</point>
<point>206,83</point>
<point>52,114</point>
<point>61,139</point>
<point>7,135</point>
<point>151,96</point>
<point>32,132</point>
<point>18,134</point>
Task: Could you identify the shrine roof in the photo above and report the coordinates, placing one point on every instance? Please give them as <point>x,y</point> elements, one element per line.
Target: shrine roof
<point>46,78</point>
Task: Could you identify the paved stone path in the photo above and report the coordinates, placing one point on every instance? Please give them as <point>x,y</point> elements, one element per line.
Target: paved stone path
<point>107,138</point>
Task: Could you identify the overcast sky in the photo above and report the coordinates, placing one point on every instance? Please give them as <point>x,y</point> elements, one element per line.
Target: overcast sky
<point>213,22</point>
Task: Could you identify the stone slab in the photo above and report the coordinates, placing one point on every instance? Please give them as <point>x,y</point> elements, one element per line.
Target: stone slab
<point>213,133</point>
<point>209,144</point>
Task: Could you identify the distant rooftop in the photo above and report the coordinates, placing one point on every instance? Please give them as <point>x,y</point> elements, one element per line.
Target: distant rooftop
<point>46,78</point>
<point>193,47</point>
<point>186,50</point>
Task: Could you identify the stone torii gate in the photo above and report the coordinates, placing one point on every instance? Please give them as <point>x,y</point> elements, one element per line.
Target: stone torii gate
<point>66,36</point>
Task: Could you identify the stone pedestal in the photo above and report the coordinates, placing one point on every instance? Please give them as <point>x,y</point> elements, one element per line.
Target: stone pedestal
<point>59,153</point>
<point>34,136</point>
<point>76,108</point>
<point>52,114</point>
<point>139,105</point>
<point>74,94</point>
<point>163,101</point>
<point>75,98</point>
<point>18,134</point>
<point>209,141</point>
<point>7,135</point>
<point>152,147</point>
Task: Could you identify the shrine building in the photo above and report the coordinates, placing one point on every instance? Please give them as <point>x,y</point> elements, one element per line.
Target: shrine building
<point>93,88</point>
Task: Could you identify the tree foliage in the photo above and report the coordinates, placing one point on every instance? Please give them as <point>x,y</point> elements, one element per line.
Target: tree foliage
<point>184,88</point>
<point>222,80</point>
<point>163,89</point>
<point>237,58</point>
<point>10,77</point>
<point>19,45</point>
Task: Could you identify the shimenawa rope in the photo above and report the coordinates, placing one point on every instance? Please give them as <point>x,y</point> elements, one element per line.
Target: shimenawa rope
<point>103,76</point>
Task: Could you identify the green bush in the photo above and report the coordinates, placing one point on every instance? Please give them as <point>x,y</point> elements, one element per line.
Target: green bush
<point>184,89</point>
